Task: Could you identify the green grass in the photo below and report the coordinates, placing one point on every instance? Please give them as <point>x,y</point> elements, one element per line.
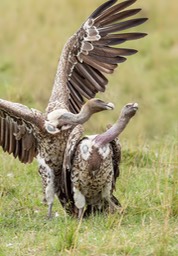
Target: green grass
<point>32,36</point>
<point>147,190</point>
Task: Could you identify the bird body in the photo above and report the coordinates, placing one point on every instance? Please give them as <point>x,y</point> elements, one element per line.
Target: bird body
<point>85,58</point>
<point>92,164</point>
<point>92,179</point>
<point>24,134</point>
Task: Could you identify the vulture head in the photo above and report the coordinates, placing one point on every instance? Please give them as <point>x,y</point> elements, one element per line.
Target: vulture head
<point>129,110</point>
<point>62,119</point>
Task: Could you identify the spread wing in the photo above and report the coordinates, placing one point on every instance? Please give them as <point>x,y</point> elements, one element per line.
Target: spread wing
<point>19,126</point>
<point>91,51</point>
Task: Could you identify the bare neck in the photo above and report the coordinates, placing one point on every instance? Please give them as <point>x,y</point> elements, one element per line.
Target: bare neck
<point>81,117</point>
<point>84,114</point>
<point>112,133</point>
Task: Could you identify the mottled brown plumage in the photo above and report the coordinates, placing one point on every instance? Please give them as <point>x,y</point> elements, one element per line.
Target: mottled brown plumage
<point>61,119</point>
<point>87,55</point>
<point>24,134</point>
<point>91,167</point>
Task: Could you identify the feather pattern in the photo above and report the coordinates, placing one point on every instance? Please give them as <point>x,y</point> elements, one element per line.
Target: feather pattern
<point>90,52</point>
<point>91,166</point>
<point>16,125</point>
<point>119,16</point>
<point>113,10</point>
<point>85,60</point>
<point>89,174</point>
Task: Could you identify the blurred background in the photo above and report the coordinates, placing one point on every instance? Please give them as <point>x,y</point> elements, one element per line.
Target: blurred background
<point>32,34</point>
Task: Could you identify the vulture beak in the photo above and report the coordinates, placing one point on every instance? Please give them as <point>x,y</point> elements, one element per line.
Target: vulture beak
<point>110,106</point>
<point>135,106</point>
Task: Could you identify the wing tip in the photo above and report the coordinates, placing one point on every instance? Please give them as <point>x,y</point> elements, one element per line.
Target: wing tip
<point>102,8</point>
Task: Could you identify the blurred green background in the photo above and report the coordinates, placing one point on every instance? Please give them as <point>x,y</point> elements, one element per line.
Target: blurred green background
<point>32,34</point>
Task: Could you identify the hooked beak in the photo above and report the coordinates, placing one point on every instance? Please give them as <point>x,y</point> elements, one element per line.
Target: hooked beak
<point>110,106</point>
<point>135,106</point>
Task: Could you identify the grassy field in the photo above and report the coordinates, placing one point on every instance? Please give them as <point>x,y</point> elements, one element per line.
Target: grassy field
<point>32,36</point>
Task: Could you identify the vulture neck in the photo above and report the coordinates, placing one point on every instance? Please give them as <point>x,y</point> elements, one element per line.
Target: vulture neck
<point>82,116</point>
<point>112,133</point>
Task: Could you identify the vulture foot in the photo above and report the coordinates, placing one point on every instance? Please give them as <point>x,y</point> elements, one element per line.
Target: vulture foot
<point>114,208</point>
<point>49,215</point>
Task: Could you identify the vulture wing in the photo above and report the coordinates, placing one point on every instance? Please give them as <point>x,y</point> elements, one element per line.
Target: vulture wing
<point>116,159</point>
<point>19,126</point>
<point>91,52</point>
<point>73,140</point>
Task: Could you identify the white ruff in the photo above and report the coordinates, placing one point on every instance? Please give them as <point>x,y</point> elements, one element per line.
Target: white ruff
<point>86,148</point>
<point>49,193</point>
<point>104,151</point>
<point>54,115</point>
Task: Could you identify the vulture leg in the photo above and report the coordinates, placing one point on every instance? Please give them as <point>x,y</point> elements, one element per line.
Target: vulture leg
<point>106,194</point>
<point>80,213</point>
<point>41,171</point>
<point>50,206</point>
<point>48,187</point>
<point>50,195</point>
<point>113,207</point>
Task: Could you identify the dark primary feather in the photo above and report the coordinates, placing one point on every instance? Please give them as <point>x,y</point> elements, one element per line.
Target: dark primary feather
<point>115,9</point>
<point>91,51</point>
<point>119,16</point>
<point>16,126</point>
<point>121,26</point>
<point>102,8</point>
<point>125,36</point>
